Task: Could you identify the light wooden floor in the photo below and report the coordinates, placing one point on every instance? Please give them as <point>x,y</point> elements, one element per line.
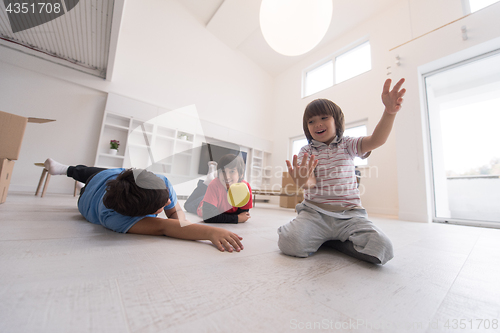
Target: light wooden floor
<point>59,273</point>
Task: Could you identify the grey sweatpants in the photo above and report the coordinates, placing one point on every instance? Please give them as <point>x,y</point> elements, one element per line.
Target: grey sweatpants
<point>311,228</point>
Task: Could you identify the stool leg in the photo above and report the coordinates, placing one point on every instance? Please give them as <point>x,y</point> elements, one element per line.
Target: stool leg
<point>46,184</point>
<point>44,171</point>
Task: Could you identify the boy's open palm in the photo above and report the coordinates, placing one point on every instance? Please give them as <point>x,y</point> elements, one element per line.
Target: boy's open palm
<point>225,240</point>
<point>393,99</point>
<point>300,173</point>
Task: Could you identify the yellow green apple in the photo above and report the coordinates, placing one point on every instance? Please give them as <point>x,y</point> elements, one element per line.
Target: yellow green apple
<point>238,195</point>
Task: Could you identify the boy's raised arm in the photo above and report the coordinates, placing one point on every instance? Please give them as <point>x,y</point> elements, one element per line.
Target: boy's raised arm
<point>392,100</point>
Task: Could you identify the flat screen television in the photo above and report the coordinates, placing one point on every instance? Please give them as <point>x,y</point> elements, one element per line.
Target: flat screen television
<point>214,152</point>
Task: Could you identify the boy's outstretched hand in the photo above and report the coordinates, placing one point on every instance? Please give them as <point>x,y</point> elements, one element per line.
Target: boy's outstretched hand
<point>393,99</point>
<point>301,173</point>
<point>226,240</point>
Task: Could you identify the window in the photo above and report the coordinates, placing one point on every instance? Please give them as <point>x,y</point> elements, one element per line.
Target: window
<point>353,63</point>
<point>476,5</point>
<point>336,69</point>
<point>319,78</point>
<point>355,132</point>
<point>298,143</point>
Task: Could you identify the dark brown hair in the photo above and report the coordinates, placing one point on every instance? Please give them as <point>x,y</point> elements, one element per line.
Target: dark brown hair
<point>126,197</point>
<point>320,107</point>
<point>232,161</point>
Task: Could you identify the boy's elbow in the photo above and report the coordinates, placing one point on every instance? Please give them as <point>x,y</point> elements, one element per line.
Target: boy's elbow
<point>372,144</point>
<point>380,142</point>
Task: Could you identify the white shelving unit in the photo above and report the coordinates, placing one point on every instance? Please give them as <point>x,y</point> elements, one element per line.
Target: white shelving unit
<point>260,169</point>
<point>142,143</point>
<point>267,171</point>
<point>114,127</point>
<point>172,138</point>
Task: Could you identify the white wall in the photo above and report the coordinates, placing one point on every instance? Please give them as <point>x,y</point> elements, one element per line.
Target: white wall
<point>167,58</point>
<point>430,52</point>
<point>71,139</point>
<point>399,162</point>
<point>164,57</point>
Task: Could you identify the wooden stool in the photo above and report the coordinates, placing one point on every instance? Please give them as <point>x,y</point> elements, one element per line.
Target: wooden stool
<point>46,175</point>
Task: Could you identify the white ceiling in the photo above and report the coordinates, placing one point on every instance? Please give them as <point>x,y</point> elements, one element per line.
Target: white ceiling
<point>236,23</point>
<point>85,37</point>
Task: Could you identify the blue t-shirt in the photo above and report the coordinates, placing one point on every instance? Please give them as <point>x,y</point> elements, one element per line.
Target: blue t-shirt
<point>92,208</point>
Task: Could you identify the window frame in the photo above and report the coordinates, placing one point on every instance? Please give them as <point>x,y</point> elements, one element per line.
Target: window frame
<point>332,57</point>
<point>349,51</point>
<point>318,65</point>
<point>467,7</point>
<point>292,139</point>
<point>359,123</point>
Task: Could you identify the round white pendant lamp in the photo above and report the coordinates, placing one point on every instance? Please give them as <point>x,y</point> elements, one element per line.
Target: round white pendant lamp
<point>294,27</point>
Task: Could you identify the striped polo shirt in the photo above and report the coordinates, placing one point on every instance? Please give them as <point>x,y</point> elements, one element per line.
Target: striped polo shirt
<point>335,173</point>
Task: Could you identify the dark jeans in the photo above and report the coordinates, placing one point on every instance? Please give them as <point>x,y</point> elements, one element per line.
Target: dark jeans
<point>347,247</point>
<point>83,174</point>
<point>192,203</point>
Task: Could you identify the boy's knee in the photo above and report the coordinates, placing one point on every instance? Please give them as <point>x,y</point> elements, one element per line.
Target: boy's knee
<point>389,250</point>
<point>384,246</point>
<point>292,245</point>
<point>373,243</point>
<point>382,239</point>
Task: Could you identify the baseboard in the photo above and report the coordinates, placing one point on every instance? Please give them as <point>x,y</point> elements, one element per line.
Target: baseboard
<point>32,189</point>
<point>382,211</point>
<point>414,217</point>
<point>21,188</point>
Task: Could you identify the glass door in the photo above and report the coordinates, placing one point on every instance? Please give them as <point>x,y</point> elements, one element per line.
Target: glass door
<point>463,104</point>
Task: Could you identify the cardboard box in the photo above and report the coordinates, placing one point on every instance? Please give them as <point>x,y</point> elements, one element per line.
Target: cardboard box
<point>288,185</point>
<point>12,132</point>
<point>12,129</point>
<point>290,202</point>
<point>6,167</point>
